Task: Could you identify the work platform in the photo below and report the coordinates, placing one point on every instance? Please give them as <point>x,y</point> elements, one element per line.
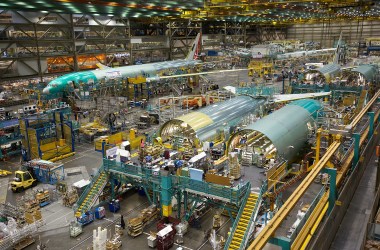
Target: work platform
<point>232,195</point>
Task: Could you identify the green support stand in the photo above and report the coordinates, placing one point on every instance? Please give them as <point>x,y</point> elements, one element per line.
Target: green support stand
<point>356,149</point>
<point>166,187</point>
<point>332,190</point>
<point>155,188</point>
<point>371,123</point>
<point>185,204</point>
<point>282,242</point>
<point>147,194</point>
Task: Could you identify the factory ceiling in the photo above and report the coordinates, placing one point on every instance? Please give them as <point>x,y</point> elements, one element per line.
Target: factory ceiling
<point>256,11</point>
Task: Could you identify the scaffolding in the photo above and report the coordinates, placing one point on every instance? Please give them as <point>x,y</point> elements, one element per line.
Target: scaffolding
<point>22,237</point>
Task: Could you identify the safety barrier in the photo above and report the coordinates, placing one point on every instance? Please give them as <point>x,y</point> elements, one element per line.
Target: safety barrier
<point>230,194</point>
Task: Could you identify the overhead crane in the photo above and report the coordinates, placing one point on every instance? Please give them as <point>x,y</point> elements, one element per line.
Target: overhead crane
<point>326,200</point>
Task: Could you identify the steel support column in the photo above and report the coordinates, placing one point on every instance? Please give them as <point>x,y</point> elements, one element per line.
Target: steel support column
<point>166,195</point>
<point>356,137</point>
<point>332,191</point>
<point>72,39</point>
<point>371,123</point>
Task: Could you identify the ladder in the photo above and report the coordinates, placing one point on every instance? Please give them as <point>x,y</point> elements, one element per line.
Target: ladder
<point>176,89</point>
<point>93,193</point>
<point>239,236</point>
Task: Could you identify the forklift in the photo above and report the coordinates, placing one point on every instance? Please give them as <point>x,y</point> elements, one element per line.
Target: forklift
<point>23,180</point>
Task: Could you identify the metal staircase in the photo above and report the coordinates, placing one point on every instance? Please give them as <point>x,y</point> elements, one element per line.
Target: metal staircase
<point>245,221</point>
<point>242,226</point>
<point>92,192</point>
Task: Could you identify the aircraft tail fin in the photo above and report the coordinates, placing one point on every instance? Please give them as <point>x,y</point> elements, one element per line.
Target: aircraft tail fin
<point>337,51</point>
<point>195,48</point>
<point>102,66</point>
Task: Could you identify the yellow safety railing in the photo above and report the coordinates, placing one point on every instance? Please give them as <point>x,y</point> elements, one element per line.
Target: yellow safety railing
<point>356,120</point>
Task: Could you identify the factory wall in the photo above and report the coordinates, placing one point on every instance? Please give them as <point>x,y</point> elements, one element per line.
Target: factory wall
<point>326,33</point>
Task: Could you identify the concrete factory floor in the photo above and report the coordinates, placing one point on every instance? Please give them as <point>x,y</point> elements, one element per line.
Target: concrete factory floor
<point>55,232</point>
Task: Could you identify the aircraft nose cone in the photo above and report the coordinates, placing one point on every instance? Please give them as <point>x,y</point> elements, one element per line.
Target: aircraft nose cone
<point>45,91</point>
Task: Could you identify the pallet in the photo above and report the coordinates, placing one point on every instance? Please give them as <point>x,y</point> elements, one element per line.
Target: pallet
<point>27,241</point>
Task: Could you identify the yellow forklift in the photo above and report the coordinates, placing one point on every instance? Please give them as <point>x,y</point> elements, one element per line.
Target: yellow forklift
<point>23,180</point>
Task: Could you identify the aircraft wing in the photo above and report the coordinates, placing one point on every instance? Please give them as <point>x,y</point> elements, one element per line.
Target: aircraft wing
<point>293,97</point>
<point>155,78</point>
<point>286,97</point>
<point>102,66</point>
